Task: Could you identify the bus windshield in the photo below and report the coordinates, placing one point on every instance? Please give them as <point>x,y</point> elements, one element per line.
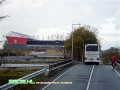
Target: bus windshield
<point>91,48</point>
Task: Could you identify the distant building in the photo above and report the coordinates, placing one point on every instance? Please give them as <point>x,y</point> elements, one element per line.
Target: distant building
<point>15,41</point>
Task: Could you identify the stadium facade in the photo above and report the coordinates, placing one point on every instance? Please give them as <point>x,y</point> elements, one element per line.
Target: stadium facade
<point>15,41</point>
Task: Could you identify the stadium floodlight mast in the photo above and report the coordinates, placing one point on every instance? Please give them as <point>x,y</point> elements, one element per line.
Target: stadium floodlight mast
<point>72,38</point>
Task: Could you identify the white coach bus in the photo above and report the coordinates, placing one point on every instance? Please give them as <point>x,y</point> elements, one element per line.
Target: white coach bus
<point>92,53</point>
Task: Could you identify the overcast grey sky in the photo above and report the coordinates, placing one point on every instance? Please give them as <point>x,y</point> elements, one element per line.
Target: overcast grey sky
<point>50,17</point>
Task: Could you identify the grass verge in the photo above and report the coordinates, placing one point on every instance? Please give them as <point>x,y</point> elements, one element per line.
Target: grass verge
<point>5,75</point>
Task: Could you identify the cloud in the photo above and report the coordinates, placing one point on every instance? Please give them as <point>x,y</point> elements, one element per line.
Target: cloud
<point>117,20</point>
<point>110,27</point>
<point>16,5</point>
<point>109,33</point>
<point>50,17</point>
<point>110,41</point>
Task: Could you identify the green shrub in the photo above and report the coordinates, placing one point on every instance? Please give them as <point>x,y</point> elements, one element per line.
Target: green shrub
<point>6,71</point>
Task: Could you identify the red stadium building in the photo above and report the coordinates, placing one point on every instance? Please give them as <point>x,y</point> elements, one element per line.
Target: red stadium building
<point>15,41</point>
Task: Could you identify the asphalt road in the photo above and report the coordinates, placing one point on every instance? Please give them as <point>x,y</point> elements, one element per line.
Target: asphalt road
<point>85,77</point>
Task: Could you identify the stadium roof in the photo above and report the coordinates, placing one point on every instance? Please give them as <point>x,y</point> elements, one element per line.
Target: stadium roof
<point>16,34</point>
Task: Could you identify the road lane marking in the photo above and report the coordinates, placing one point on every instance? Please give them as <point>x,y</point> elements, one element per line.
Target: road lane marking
<point>116,71</point>
<point>90,78</point>
<point>59,77</point>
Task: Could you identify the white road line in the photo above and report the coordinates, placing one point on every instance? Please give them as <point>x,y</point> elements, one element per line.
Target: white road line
<point>116,71</point>
<point>59,77</point>
<point>90,78</point>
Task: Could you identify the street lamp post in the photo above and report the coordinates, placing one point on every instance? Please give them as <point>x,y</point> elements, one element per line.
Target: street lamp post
<point>72,43</point>
<point>72,39</point>
<point>83,51</point>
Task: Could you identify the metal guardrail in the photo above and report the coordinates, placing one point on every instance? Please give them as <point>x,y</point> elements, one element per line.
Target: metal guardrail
<point>8,86</point>
<point>118,61</point>
<point>18,57</point>
<point>59,64</point>
<point>52,66</point>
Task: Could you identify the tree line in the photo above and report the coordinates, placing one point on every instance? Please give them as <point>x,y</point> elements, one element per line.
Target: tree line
<point>81,36</point>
